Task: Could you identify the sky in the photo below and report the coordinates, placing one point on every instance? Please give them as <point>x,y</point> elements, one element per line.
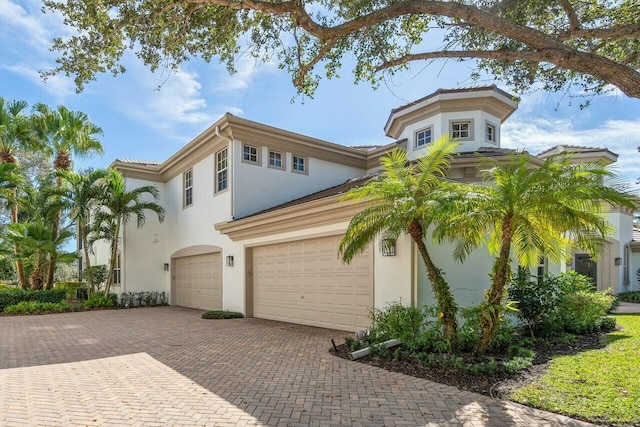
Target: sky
<point>148,116</point>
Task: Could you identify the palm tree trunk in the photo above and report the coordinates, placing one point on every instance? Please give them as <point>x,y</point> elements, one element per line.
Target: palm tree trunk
<point>447,308</point>
<point>492,309</point>
<point>112,262</point>
<point>54,235</point>
<point>16,249</point>
<point>85,247</point>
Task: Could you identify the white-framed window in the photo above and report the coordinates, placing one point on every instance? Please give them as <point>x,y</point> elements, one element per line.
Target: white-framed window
<point>116,272</point>
<point>490,133</point>
<point>188,188</point>
<point>250,154</point>
<point>543,268</point>
<point>299,164</point>
<point>424,137</point>
<point>626,277</point>
<point>276,160</point>
<point>461,130</point>
<point>222,168</point>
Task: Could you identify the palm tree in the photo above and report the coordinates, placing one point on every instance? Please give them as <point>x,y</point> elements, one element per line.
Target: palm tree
<point>15,132</point>
<point>403,201</point>
<point>78,196</point>
<point>117,206</point>
<point>63,133</point>
<point>531,211</point>
<point>38,246</point>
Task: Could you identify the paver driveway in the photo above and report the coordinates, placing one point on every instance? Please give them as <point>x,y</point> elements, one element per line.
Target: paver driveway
<point>166,366</point>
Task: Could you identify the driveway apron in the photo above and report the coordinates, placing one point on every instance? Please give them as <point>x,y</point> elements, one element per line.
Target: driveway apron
<point>167,366</point>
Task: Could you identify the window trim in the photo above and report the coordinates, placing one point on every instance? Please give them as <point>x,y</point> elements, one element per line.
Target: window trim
<point>626,274</point>
<point>415,142</point>
<point>117,271</point>
<point>471,129</point>
<point>488,124</point>
<point>217,171</point>
<point>185,188</point>
<point>306,164</point>
<point>258,149</point>
<point>283,160</point>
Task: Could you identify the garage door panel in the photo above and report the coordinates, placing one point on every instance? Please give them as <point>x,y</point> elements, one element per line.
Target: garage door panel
<point>199,281</point>
<point>335,295</point>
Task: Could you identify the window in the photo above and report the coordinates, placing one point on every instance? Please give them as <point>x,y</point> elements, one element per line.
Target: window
<point>250,154</point>
<point>299,164</point>
<point>275,160</point>
<point>542,269</point>
<point>461,129</point>
<point>222,166</point>
<point>626,280</point>
<point>79,269</point>
<point>424,137</point>
<point>490,133</point>
<point>116,271</point>
<point>188,188</point>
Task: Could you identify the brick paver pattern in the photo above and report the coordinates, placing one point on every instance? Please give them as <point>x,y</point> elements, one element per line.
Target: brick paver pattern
<point>166,366</point>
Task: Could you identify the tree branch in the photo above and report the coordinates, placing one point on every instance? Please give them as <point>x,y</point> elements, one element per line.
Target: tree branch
<point>610,33</point>
<point>506,55</point>
<point>574,23</point>
<point>304,69</point>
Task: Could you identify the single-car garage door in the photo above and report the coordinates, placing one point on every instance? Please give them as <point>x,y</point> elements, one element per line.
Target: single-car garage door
<point>305,282</point>
<point>199,281</point>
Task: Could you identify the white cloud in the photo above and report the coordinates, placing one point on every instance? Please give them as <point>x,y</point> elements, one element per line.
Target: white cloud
<point>16,19</point>
<point>538,134</point>
<point>58,86</point>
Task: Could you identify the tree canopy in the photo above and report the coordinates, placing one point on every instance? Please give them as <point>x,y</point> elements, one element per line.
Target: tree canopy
<point>561,44</point>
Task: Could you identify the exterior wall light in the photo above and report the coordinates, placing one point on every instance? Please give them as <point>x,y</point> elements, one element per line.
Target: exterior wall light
<point>229,260</point>
<point>617,261</point>
<point>388,247</point>
<point>166,266</point>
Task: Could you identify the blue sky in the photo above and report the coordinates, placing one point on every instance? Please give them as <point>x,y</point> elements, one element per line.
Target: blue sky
<point>142,122</point>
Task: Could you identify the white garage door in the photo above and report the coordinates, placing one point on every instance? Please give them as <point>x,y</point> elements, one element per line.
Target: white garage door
<point>199,281</point>
<point>305,282</point>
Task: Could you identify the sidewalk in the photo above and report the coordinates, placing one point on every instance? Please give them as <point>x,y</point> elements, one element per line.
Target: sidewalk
<point>628,307</point>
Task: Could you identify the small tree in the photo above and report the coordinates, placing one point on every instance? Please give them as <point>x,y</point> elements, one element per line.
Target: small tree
<point>403,200</point>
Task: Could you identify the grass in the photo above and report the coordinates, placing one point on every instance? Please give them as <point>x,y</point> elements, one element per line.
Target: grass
<point>601,386</point>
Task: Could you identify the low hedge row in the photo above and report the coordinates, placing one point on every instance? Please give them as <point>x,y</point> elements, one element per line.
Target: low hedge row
<point>15,296</point>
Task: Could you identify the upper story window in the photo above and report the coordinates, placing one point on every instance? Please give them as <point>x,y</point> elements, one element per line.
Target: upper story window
<point>250,154</point>
<point>299,164</point>
<point>424,137</point>
<point>276,160</point>
<point>222,167</point>
<point>461,129</point>
<point>188,188</point>
<point>490,134</point>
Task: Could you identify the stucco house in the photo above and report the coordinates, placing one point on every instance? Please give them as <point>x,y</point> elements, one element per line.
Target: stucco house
<point>253,219</point>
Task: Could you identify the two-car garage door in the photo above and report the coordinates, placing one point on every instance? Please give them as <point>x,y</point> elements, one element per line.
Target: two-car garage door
<point>305,282</point>
<point>198,281</point>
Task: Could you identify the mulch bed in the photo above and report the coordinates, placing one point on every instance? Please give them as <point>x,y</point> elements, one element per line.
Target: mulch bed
<point>498,385</point>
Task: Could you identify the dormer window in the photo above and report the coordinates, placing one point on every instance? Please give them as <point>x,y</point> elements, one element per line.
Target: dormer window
<point>424,137</point>
<point>461,130</point>
<point>490,133</point>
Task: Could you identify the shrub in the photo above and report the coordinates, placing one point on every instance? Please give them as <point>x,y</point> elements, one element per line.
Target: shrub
<point>536,301</point>
<point>14,296</point>
<point>582,312</point>
<point>36,307</point>
<point>633,296</point>
<point>74,290</point>
<point>99,273</point>
<point>222,314</point>
<point>608,324</point>
<point>412,325</point>
<point>100,300</point>
<point>142,299</point>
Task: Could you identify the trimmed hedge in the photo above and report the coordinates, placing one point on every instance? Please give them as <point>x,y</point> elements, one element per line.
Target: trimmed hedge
<point>36,307</point>
<point>222,314</point>
<point>74,290</point>
<point>15,296</point>
<point>633,296</point>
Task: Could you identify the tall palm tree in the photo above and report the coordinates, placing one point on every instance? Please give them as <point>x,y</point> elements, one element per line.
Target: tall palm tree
<point>15,132</point>
<point>117,207</point>
<point>530,211</point>
<point>403,201</point>
<point>64,133</point>
<point>78,196</point>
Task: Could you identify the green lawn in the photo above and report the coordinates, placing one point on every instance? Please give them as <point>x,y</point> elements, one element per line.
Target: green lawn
<point>598,385</point>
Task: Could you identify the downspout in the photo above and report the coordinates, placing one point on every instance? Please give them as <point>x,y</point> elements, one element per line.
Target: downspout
<point>230,165</point>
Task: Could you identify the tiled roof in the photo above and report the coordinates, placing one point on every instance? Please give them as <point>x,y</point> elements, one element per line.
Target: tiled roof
<point>486,152</point>
<point>460,89</point>
<point>636,234</point>
<point>327,192</point>
<point>573,149</point>
<point>139,162</point>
